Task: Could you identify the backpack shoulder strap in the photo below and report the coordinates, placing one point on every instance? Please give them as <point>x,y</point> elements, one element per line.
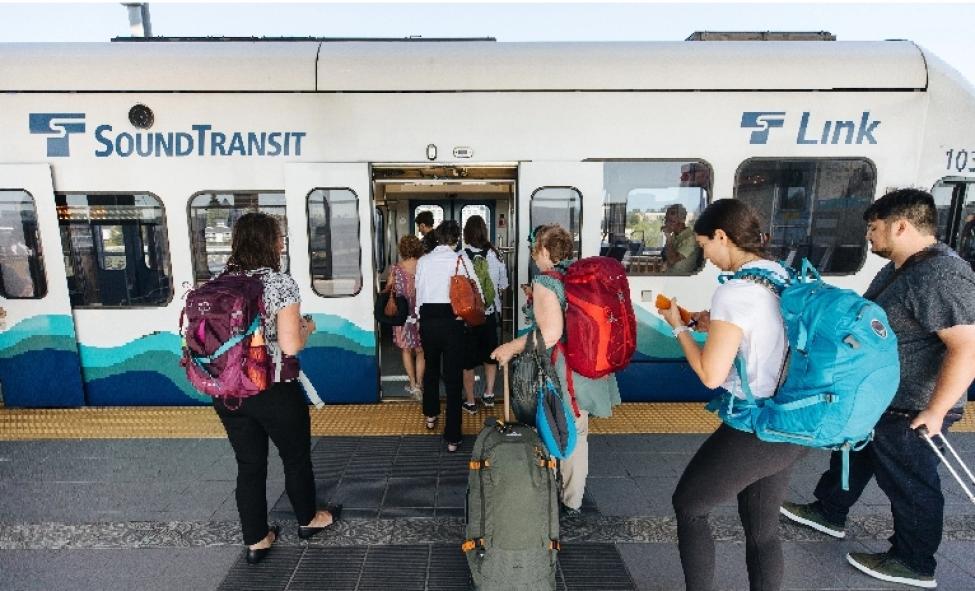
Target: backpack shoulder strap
<point>553,281</point>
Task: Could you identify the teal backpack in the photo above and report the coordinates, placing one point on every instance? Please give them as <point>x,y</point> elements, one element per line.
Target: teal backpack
<point>840,374</point>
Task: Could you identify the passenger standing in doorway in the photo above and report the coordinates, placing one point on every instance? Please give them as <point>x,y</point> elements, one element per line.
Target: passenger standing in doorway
<point>483,340</point>
<point>551,249</point>
<point>424,223</point>
<point>928,293</point>
<point>442,331</point>
<point>407,337</point>
<point>281,411</point>
<point>744,320</point>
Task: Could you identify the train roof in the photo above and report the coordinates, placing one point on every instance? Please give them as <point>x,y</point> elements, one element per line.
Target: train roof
<point>309,65</point>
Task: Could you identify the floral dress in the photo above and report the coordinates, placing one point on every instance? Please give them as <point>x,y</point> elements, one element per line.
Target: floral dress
<point>404,284</point>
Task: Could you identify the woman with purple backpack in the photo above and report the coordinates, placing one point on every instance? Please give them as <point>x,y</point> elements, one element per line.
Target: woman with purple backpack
<point>279,412</point>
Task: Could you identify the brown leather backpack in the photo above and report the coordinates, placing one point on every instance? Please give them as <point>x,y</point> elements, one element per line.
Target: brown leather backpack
<point>465,298</point>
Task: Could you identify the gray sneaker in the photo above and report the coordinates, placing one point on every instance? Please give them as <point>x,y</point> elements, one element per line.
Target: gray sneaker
<point>885,567</point>
<point>810,516</point>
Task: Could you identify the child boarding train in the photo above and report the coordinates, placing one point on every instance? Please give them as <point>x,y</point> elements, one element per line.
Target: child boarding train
<point>132,160</point>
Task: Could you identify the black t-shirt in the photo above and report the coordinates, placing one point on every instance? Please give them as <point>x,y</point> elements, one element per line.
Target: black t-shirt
<point>929,295</point>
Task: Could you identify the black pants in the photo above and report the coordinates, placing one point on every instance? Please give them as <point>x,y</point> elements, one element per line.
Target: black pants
<point>281,413</point>
<point>731,463</point>
<point>907,471</point>
<point>442,336</point>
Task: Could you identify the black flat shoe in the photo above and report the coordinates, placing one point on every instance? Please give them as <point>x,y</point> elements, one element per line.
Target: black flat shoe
<point>256,555</point>
<point>306,531</point>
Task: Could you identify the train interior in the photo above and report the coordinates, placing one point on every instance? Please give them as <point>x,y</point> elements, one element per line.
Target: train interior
<point>400,192</point>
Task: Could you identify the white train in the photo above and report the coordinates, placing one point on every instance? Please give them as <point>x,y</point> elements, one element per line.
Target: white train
<point>132,160</point>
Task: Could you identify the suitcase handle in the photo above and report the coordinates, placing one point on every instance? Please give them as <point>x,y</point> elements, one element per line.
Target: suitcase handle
<point>923,430</point>
<point>507,394</point>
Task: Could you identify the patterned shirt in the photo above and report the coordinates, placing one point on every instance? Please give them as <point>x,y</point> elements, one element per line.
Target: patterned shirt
<point>280,291</point>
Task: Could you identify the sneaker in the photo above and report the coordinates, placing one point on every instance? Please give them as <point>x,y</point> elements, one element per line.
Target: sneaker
<point>809,515</point>
<point>885,567</point>
<point>470,407</point>
<point>488,400</point>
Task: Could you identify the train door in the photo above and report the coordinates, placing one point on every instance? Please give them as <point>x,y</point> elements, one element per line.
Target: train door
<point>39,362</point>
<point>448,193</point>
<point>565,193</point>
<point>330,218</point>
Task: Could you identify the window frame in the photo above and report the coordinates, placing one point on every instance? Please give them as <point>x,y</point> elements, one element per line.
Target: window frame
<point>358,231</point>
<point>169,253</point>
<point>189,221</point>
<point>863,159</point>
<point>531,222</point>
<point>709,199</point>
<point>39,294</point>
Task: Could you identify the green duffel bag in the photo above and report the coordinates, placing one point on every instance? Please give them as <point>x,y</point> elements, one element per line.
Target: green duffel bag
<point>512,511</point>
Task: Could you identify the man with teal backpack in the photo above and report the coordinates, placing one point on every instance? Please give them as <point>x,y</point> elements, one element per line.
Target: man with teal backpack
<point>928,294</point>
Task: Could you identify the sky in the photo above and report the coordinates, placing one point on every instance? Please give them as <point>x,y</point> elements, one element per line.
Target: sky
<point>945,29</point>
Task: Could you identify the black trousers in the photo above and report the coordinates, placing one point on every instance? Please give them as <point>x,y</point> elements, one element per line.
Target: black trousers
<point>733,463</point>
<point>442,336</point>
<point>281,413</point>
<point>907,471</point>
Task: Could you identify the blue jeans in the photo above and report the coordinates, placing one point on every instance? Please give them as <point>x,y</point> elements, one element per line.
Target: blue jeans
<point>907,471</point>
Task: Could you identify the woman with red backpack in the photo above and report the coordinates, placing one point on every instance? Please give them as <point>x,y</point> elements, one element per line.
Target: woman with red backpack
<point>745,323</point>
<point>551,251</point>
<point>280,412</point>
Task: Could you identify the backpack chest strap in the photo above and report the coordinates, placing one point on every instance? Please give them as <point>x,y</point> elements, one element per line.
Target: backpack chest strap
<point>231,342</point>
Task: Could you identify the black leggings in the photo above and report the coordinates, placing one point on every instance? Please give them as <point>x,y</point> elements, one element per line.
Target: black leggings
<point>731,463</point>
<point>281,413</point>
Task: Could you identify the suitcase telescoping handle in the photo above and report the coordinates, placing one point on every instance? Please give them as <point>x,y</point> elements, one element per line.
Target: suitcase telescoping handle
<point>923,430</point>
<point>507,395</point>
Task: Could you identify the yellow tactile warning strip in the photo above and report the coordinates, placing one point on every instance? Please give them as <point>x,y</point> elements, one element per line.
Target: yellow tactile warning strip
<point>393,418</point>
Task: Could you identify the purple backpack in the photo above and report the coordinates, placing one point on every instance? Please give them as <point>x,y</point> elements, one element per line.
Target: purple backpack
<point>218,325</point>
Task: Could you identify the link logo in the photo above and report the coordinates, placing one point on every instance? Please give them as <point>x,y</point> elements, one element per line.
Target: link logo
<point>856,130</point>
<point>762,122</point>
<point>59,126</point>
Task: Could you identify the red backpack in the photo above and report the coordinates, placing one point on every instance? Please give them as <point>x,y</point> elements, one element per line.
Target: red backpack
<point>600,325</point>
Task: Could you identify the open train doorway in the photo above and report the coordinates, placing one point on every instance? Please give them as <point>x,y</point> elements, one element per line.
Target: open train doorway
<point>448,192</point>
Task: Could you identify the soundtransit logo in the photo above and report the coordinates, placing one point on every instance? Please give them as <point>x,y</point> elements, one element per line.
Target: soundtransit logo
<point>763,121</point>
<point>59,126</point>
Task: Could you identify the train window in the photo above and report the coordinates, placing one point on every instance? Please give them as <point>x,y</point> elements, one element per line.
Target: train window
<point>334,247</point>
<point>212,217</point>
<point>115,249</point>
<point>21,259</point>
<point>558,205</point>
<point>955,200</point>
<point>649,208</point>
<point>813,207</point>
<point>966,229</point>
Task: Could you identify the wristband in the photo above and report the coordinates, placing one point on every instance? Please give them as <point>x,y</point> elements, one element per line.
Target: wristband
<point>680,329</point>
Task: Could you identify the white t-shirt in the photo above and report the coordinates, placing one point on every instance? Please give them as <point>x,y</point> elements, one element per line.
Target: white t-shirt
<point>755,310</point>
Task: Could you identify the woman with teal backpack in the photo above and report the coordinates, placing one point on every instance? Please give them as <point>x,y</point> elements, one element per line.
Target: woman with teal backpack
<point>744,322</point>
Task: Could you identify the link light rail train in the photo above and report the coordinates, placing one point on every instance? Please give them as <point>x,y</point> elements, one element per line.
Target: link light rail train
<point>132,161</point>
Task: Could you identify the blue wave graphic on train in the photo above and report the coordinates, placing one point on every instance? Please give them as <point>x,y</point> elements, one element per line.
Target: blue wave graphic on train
<point>339,359</point>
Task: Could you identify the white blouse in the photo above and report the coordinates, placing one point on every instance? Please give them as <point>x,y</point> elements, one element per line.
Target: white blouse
<point>433,273</point>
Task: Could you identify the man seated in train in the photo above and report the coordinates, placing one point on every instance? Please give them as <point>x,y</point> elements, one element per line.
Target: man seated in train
<point>681,249</point>
<point>928,293</point>
<point>424,223</point>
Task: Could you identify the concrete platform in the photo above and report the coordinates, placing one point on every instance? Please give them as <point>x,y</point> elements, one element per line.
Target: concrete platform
<point>146,514</point>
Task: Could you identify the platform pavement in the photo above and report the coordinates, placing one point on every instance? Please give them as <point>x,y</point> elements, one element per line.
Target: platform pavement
<point>159,514</point>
